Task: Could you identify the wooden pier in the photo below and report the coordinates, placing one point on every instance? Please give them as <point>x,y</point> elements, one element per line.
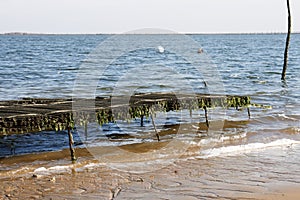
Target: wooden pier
<point>30,115</point>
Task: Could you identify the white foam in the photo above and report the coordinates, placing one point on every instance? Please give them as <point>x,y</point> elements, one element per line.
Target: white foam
<point>218,139</point>
<point>224,138</point>
<point>41,169</point>
<point>59,169</point>
<point>247,148</point>
<point>53,170</point>
<point>92,166</point>
<point>287,117</point>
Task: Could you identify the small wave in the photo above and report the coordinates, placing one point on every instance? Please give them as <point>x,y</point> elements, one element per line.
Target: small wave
<point>52,170</point>
<point>289,117</point>
<point>241,149</point>
<point>219,139</point>
<point>7,172</point>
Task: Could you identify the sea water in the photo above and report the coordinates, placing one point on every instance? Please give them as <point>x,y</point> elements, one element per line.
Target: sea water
<point>48,66</point>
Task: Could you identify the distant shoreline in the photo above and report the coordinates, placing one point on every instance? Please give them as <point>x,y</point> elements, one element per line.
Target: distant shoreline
<point>28,33</point>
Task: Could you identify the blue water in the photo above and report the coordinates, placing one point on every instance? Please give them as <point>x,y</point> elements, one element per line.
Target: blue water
<point>47,66</point>
<point>41,66</point>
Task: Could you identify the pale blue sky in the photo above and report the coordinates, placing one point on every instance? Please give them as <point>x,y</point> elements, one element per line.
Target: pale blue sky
<point>117,16</point>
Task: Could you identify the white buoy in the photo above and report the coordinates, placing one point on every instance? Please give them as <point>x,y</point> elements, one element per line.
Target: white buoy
<point>200,50</point>
<point>161,49</point>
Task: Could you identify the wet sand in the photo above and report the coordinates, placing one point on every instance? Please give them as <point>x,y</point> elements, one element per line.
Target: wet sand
<point>265,174</point>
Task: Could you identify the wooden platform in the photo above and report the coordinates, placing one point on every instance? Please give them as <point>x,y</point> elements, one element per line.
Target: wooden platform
<point>34,115</point>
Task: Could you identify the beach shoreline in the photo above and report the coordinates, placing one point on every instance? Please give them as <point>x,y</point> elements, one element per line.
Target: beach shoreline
<point>53,176</point>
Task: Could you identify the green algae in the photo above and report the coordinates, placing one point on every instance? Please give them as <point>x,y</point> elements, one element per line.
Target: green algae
<point>139,107</point>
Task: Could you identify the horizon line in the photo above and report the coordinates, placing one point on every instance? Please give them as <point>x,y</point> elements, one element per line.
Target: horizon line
<point>139,33</point>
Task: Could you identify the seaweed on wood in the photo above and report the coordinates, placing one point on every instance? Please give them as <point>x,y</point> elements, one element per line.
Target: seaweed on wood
<point>34,115</point>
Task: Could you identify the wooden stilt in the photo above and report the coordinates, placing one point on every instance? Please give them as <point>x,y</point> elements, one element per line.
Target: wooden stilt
<point>12,148</point>
<point>157,135</point>
<point>85,130</point>
<point>71,142</point>
<point>206,117</point>
<point>142,120</point>
<point>249,115</point>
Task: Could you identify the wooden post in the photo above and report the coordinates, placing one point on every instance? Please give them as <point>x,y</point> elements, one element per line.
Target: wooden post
<point>71,142</point>
<point>142,120</point>
<point>206,117</point>
<point>157,135</point>
<point>285,64</point>
<point>85,130</point>
<point>12,148</point>
<point>249,115</point>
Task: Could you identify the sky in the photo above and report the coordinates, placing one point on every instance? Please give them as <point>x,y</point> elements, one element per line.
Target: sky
<point>119,16</point>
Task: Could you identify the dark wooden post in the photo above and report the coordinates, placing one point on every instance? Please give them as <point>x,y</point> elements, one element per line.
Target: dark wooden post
<point>285,64</point>
<point>85,130</point>
<point>156,132</point>
<point>142,120</point>
<point>71,142</point>
<point>249,114</point>
<point>206,117</point>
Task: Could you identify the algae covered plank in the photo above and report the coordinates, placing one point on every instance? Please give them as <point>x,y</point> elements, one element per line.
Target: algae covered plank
<point>34,114</point>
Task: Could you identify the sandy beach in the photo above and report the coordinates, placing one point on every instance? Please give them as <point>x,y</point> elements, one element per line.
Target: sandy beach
<point>261,174</point>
